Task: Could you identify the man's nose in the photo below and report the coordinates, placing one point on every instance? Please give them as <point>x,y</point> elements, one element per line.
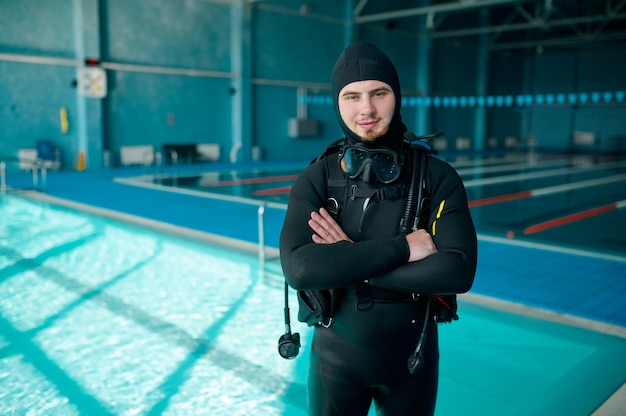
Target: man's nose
<point>367,106</point>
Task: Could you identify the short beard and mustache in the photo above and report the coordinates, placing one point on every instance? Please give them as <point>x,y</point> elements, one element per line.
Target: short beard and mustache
<point>371,135</point>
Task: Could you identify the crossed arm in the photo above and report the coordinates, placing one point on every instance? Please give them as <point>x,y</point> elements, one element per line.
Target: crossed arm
<point>316,253</point>
<point>327,231</point>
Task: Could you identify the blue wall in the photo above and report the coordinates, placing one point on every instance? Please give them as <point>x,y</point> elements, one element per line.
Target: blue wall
<point>202,71</point>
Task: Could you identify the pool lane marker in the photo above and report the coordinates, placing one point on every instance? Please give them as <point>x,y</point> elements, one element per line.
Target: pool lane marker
<point>481,170</point>
<point>272,191</point>
<point>540,174</point>
<point>547,190</point>
<point>574,217</point>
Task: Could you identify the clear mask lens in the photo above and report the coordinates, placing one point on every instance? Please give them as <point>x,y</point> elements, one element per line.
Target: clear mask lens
<point>382,162</point>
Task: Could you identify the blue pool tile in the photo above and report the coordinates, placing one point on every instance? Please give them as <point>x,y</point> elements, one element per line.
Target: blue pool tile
<point>593,288</point>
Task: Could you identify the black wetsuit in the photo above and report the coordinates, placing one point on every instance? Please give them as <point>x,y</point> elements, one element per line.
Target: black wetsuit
<point>363,355</point>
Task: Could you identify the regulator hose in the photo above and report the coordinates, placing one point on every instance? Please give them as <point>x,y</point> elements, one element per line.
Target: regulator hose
<point>411,207</point>
<point>419,146</point>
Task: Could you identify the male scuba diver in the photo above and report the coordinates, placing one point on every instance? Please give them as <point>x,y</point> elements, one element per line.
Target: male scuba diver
<point>342,233</point>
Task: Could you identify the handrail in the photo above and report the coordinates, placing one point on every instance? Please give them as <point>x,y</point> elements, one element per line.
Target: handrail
<point>36,166</point>
<point>261,212</point>
<point>261,223</point>
<point>3,176</point>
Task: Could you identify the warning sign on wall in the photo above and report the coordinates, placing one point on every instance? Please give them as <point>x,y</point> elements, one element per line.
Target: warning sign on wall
<point>92,82</point>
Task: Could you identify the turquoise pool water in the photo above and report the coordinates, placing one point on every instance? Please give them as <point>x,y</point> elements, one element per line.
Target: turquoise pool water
<point>104,317</point>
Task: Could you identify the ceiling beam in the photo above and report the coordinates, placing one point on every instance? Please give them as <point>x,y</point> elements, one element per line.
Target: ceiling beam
<point>359,7</point>
<point>439,8</point>
<point>545,24</point>
<point>560,41</point>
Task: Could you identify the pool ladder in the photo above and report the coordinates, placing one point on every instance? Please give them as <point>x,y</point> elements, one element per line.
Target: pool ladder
<point>36,167</point>
<point>262,249</point>
<point>262,253</point>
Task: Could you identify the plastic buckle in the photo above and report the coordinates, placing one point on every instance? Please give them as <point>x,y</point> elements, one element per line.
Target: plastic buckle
<point>363,301</point>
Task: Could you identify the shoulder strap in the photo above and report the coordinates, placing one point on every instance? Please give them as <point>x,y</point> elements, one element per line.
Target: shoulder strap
<point>336,181</point>
<point>333,147</point>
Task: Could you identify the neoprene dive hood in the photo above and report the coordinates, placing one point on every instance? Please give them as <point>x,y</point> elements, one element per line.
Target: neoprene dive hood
<point>363,61</point>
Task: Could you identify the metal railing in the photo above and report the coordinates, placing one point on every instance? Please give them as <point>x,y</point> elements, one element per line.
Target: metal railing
<point>262,249</point>
<point>38,168</point>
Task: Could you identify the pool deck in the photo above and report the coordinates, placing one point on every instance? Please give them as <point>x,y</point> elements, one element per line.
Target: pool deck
<point>573,287</point>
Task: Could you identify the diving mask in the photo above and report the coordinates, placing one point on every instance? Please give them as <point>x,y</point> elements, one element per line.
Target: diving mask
<point>357,161</point>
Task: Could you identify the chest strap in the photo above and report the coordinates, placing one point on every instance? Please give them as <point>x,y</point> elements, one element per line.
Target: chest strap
<point>355,191</point>
<point>382,194</point>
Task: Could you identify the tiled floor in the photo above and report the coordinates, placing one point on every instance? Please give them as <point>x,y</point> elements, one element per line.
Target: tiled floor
<point>563,282</point>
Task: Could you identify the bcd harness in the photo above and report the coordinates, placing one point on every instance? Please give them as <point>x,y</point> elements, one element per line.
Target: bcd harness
<point>316,307</point>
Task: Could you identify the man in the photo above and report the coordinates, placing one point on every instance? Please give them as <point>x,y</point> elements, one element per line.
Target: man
<point>342,233</point>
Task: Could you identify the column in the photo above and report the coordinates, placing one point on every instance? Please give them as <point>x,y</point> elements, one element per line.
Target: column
<point>241,84</point>
<point>88,148</point>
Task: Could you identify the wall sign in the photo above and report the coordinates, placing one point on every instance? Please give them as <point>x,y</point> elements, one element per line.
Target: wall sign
<point>92,82</point>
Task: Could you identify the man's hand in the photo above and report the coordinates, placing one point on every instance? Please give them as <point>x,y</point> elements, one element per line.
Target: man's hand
<point>421,245</point>
<point>326,229</point>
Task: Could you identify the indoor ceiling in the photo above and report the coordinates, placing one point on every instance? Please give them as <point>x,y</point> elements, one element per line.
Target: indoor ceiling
<point>511,24</point>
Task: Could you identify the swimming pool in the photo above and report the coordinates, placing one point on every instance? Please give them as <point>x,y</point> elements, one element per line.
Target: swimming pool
<point>563,200</point>
<point>254,184</point>
<point>99,316</point>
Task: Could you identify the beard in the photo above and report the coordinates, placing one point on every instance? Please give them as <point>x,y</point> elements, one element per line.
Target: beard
<point>371,135</point>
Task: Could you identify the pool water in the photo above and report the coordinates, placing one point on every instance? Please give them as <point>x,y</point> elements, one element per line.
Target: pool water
<point>104,317</point>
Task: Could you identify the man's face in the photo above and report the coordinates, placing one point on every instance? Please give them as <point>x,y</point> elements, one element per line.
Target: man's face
<point>367,108</point>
